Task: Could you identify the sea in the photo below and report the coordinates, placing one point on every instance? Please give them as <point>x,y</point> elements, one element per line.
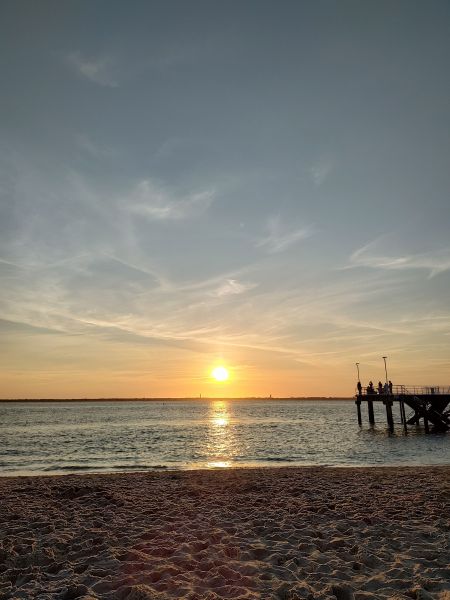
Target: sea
<point>44,438</point>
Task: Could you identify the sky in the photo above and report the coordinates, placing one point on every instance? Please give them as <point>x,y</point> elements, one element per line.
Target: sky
<point>257,184</point>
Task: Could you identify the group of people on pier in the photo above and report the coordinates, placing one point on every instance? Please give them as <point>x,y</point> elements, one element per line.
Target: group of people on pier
<point>382,389</point>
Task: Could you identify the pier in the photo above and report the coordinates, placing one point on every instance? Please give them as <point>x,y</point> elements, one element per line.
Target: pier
<point>427,403</point>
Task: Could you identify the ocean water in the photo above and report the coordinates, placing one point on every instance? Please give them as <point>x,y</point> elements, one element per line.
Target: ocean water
<point>69,437</point>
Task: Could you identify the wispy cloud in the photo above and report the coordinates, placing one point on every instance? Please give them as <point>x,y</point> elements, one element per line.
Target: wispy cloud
<point>232,287</point>
<point>93,148</point>
<point>8,263</point>
<point>99,70</point>
<point>321,170</point>
<point>371,256</point>
<point>279,237</point>
<point>153,202</point>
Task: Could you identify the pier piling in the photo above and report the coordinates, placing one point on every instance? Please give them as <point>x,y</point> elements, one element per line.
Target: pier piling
<point>370,411</point>
<point>403,416</point>
<point>390,419</point>
<point>358,410</point>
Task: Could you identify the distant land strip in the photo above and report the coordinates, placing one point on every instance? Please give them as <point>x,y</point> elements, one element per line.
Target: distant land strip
<point>307,398</point>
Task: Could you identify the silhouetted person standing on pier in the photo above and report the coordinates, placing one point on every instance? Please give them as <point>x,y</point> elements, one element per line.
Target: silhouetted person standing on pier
<point>380,388</point>
<point>370,389</point>
<point>390,387</point>
<point>359,388</point>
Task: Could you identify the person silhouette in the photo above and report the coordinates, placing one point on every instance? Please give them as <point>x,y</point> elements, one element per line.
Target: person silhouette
<point>390,386</point>
<point>359,388</point>
<point>380,387</point>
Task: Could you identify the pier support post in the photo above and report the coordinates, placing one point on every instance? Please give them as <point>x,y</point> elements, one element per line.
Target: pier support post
<point>358,410</point>
<point>389,417</point>
<point>403,415</point>
<point>370,410</point>
<point>425,422</point>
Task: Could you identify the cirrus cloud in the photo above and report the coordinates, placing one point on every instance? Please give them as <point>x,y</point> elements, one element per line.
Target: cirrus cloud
<point>155,202</point>
<point>279,237</point>
<point>371,256</point>
<point>98,70</point>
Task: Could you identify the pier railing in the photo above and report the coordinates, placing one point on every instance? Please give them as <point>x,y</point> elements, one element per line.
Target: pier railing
<point>408,390</point>
<point>420,390</point>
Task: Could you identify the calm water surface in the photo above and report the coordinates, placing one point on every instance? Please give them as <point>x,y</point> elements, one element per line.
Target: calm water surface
<point>64,437</point>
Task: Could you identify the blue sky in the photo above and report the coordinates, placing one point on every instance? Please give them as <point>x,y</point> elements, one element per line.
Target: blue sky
<point>259,184</point>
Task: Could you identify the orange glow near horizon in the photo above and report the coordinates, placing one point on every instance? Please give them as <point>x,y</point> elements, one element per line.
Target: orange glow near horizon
<point>65,366</point>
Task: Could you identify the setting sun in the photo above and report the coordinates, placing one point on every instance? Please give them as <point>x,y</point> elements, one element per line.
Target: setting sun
<point>220,374</point>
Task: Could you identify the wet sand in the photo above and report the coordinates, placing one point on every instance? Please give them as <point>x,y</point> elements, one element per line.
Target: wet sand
<point>284,533</point>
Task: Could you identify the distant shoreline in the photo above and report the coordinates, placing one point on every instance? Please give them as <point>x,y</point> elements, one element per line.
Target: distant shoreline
<point>292,398</point>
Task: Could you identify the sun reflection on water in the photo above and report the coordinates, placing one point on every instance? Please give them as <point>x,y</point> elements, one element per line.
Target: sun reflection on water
<point>221,421</point>
<point>219,464</point>
<point>220,438</point>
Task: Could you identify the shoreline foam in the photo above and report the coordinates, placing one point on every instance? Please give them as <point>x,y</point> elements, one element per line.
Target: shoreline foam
<point>284,533</point>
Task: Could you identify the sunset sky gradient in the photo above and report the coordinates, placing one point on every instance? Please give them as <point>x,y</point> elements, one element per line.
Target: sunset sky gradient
<point>260,185</point>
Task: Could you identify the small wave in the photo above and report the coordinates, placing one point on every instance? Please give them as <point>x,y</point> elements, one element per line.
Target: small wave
<point>106,468</point>
<point>277,459</point>
<point>136,467</point>
<point>68,468</point>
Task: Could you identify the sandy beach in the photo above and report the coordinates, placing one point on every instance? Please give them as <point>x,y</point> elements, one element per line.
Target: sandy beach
<point>283,533</point>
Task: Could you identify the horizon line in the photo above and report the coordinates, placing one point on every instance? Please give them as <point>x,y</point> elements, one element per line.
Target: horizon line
<point>176,398</point>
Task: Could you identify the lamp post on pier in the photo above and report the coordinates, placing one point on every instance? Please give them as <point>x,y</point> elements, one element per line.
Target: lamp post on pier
<point>385,368</point>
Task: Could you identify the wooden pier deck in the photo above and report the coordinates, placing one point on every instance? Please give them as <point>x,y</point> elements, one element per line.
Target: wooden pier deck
<point>430,404</point>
